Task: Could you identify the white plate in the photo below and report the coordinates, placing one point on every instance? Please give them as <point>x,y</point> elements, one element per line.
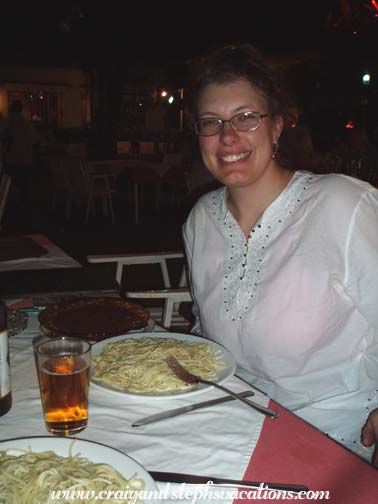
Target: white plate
<point>95,452</point>
<point>223,374</point>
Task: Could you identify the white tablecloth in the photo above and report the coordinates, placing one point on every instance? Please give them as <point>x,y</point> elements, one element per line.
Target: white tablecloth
<point>216,441</point>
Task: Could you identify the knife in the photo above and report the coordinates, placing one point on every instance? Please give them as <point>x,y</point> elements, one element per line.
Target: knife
<point>185,409</point>
<point>191,479</point>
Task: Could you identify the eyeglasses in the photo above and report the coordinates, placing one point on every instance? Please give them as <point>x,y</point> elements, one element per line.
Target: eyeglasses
<point>245,121</point>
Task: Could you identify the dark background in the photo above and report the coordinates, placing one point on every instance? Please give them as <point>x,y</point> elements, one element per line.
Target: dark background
<point>161,32</point>
<point>157,31</point>
<point>322,47</point>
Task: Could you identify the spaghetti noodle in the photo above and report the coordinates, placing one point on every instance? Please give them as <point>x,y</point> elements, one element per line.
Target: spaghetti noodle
<point>139,366</point>
<point>29,478</point>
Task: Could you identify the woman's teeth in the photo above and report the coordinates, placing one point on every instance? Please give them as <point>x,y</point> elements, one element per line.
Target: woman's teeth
<point>231,158</point>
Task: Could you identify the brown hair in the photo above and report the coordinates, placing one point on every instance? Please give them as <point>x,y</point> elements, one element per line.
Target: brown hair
<point>230,63</point>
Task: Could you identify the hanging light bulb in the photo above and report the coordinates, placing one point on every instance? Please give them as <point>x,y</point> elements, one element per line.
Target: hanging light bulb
<point>366,78</point>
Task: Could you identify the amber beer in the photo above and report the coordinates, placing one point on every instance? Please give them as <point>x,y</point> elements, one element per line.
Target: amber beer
<point>63,372</point>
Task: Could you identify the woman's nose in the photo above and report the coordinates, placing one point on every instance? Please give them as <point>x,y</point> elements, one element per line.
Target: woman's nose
<point>228,133</point>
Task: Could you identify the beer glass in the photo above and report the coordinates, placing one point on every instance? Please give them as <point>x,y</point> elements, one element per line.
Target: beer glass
<point>63,373</point>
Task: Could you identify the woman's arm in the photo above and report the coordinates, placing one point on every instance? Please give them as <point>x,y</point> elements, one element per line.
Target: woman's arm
<point>189,237</point>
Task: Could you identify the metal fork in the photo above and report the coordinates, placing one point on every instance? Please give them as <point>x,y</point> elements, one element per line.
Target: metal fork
<point>188,377</point>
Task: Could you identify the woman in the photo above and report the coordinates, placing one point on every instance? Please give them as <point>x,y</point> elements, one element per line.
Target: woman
<point>283,264</point>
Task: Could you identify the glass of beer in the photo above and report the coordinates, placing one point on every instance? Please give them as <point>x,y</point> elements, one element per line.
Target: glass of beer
<point>63,374</point>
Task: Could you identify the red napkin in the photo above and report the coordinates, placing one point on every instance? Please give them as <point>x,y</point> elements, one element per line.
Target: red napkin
<point>291,451</point>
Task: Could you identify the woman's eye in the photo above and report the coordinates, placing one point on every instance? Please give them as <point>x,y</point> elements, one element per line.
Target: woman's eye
<point>246,116</point>
<point>210,122</point>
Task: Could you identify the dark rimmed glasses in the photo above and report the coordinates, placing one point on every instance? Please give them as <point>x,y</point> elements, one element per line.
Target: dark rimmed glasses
<point>245,121</point>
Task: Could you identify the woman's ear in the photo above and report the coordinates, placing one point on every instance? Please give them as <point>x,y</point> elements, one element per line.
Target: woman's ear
<point>277,126</point>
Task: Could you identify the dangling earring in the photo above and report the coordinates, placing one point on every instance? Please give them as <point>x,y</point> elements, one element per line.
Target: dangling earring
<point>275,149</point>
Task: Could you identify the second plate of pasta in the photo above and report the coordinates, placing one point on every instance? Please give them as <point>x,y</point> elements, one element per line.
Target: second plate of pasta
<point>32,468</point>
<point>134,364</point>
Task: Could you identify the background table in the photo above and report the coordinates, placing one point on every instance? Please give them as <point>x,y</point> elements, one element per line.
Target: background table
<point>54,257</point>
<point>53,272</point>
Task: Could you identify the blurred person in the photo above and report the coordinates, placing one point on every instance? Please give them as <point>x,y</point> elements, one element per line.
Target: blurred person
<point>283,262</point>
<point>18,148</point>
<point>363,156</point>
<point>296,142</point>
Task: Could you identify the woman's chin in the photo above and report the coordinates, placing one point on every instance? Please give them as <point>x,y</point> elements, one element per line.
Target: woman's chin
<point>235,180</point>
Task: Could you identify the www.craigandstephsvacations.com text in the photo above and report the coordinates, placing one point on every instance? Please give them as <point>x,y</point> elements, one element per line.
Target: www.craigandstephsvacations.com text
<point>192,494</point>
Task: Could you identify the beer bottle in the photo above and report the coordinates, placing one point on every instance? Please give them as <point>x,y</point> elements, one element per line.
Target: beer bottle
<point>5,384</point>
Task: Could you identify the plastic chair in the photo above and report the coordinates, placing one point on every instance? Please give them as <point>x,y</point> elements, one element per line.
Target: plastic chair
<point>172,297</point>
<point>73,181</point>
<point>98,184</point>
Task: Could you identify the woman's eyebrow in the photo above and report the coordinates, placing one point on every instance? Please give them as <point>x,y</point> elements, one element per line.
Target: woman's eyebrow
<point>242,108</point>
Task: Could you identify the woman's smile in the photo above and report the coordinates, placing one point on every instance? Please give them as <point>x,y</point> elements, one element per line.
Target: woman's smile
<point>235,157</point>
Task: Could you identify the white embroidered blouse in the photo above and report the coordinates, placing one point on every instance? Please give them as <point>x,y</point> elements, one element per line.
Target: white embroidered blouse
<point>297,302</point>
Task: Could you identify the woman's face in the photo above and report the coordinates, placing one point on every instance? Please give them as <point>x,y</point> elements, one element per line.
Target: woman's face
<point>238,158</point>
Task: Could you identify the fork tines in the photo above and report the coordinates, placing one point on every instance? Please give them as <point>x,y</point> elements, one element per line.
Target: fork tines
<point>180,371</point>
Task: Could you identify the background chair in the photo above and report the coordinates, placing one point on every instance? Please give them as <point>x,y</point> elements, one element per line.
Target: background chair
<point>73,183</point>
<point>98,185</point>
<point>167,314</point>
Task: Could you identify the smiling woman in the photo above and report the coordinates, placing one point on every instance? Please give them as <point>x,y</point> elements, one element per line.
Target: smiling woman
<point>275,278</point>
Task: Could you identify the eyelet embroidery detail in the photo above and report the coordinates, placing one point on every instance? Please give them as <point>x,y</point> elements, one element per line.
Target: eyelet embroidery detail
<point>246,257</point>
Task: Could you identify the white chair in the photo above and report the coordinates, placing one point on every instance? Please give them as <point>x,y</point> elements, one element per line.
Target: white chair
<point>167,315</point>
<point>4,191</point>
<point>81,185</point>
<point>98,185</point>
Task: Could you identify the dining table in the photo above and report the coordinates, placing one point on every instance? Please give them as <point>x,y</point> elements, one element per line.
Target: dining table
<point>229,440</point>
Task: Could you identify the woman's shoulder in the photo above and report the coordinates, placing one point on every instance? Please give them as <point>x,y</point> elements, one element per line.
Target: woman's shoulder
<point>211,201</point>
<point>337,187</point>
<point>209,205</point>
<point>341,182</point>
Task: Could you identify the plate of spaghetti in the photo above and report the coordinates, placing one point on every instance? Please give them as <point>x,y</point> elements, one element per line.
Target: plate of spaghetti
<point>48,469</point>
<point>134,364</point>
